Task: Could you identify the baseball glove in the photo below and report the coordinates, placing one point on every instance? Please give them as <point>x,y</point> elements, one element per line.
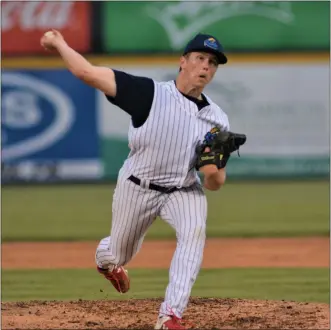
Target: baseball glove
<point>221,145</point>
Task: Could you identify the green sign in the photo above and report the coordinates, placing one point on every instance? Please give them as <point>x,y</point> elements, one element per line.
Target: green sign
<point>254,25</point>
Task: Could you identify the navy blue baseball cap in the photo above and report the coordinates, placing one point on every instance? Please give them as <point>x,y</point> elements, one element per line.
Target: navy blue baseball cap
<point>206,43</point>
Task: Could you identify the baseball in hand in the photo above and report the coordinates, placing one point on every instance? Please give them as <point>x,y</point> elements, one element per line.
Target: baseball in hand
<point>49,34</point>
<point>50,38</point>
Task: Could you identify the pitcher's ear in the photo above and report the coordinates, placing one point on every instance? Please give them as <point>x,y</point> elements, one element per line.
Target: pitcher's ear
<point>182,62</point>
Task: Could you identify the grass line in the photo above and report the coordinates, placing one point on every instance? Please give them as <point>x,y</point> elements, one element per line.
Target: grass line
<point>296,284</point>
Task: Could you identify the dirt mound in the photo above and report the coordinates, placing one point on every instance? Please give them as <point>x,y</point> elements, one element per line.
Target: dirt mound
<point>207,313</point>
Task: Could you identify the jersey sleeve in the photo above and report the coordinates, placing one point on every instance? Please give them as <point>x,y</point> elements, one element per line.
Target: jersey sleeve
<point>134,95</point>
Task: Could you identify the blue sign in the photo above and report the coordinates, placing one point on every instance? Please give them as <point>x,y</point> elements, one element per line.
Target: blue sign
<point>48,116</point>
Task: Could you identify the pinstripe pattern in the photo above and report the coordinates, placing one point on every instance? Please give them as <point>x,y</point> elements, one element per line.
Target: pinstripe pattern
<point>163,152</point>
<point>163,149</point>
<point>186,212</point>
<point>134,210</point>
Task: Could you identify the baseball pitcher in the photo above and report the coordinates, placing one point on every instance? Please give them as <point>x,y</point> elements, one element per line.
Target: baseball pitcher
<point>176,131</point>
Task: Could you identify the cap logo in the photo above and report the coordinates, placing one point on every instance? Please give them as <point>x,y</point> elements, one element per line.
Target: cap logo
<point>211,43</point>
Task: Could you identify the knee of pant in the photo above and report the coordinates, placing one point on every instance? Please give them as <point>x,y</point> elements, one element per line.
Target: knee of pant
<point>197,234</point>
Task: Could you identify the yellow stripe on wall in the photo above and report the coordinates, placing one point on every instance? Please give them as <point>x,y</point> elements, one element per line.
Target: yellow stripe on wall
<point>56,62</point>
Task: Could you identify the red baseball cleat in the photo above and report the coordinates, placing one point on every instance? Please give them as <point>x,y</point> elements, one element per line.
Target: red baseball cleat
<point>118,277</point>
<point>171,322</point>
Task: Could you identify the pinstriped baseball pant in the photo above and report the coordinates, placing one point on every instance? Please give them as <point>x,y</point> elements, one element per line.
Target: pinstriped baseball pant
<point>134,211</point>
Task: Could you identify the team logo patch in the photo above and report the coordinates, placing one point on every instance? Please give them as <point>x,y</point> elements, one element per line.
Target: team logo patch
<point>214,130</point>
<point>211,134</point>
<point>211,43</point>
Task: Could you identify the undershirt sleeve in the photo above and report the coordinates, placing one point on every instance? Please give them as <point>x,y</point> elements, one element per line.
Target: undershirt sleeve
<point>134,95</point>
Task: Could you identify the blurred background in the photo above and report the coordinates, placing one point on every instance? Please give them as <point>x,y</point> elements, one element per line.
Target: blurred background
<point>275,89</point>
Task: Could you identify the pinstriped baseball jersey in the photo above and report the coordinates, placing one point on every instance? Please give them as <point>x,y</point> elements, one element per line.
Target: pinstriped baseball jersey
<point>163,149</point>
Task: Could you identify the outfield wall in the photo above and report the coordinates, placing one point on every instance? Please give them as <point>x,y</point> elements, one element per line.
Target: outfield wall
<point>165,27</point>
<point>56,128</point>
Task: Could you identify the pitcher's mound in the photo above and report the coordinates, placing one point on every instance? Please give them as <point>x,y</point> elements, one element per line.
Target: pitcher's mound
<point>206,313</point>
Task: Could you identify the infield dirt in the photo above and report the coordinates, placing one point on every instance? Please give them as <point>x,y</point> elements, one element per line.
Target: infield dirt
<point>140,314</point>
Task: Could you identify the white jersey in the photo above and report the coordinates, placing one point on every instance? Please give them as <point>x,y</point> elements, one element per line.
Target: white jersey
<point>163,150</point>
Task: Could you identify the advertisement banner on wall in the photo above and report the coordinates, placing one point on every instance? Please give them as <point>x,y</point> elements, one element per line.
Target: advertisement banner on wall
<point>48,127</point>
<point>24,22</point>
<point>166,26</point>
<point>283,110</point>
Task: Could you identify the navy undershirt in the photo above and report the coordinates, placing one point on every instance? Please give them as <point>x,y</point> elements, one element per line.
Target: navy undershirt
<point>135,96</point>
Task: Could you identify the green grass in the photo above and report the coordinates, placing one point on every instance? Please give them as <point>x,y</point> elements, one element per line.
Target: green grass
<point>83,212</point>
<point>297,284</point>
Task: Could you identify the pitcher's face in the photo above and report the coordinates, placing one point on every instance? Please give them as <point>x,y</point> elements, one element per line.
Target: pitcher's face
<point>199,68</point>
